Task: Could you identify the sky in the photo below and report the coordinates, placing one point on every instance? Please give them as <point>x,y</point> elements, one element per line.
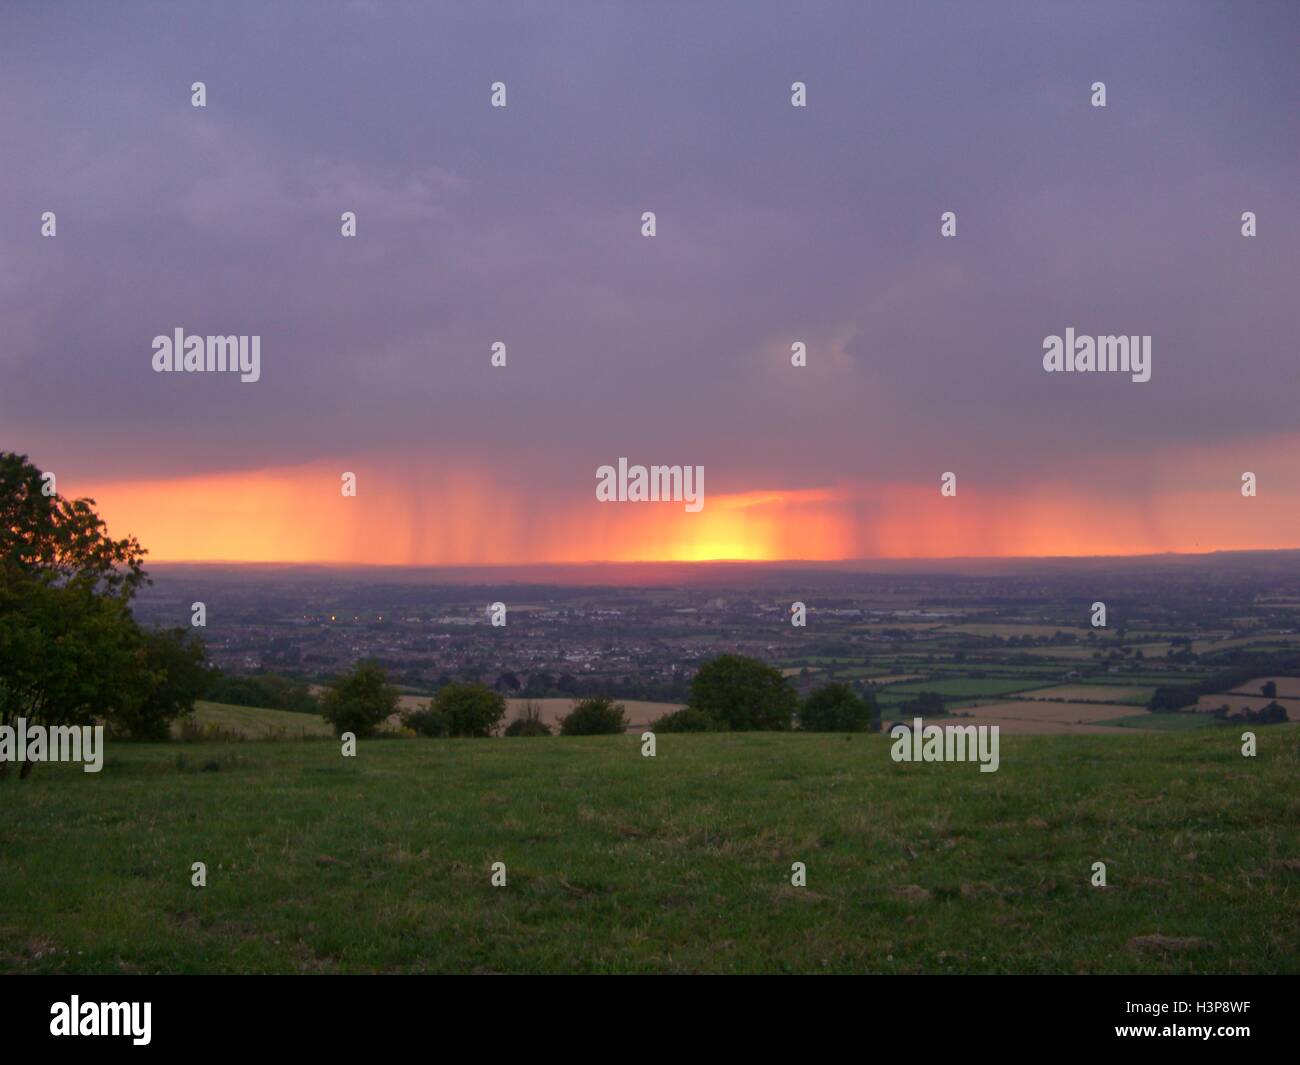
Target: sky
<point>774,224</point>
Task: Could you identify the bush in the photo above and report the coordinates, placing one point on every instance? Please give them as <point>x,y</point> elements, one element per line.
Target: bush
<point>529,723</point>
<point>359,700</point>
<point>744,694</point>
<point>427,721</point>
<point>470,709</point>
<point>837,708</point>
<point>687,720</point>
<point>597,716</point>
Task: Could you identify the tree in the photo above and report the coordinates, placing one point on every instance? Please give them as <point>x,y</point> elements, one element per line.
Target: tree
<point>67,656</point>
<point>470,709</point>
<point>360,700</point>
<point>69,647</point>
<point>743,694</point>
<point>837,708</point>
<point>596,716</point>
<point>428,721</point>
<point>1269,689</point>
<point>175,674</point>
<point>60,541</point>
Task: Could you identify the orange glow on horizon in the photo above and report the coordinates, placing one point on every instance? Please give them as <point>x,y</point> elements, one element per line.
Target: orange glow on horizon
<point>447,519</point>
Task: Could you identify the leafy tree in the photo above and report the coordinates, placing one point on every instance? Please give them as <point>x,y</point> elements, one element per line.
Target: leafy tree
<point>596,716</point>
<point>67,655</point>
<point>743,693</point>
<point>69,648</point>
<point>175,674</point>
<point>60,541</point>
<point>470,709</point>
<point>360,700</point>
<point>837,707</point>
<point>427,721</point>
<point>1269,689</point>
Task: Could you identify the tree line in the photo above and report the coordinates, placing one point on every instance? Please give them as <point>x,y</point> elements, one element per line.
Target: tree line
<point>728,693</point>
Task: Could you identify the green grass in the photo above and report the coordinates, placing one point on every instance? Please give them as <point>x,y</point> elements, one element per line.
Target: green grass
<point>256,723</point>
<point>618,863</point>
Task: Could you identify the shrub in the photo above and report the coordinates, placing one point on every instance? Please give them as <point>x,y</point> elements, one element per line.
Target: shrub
<point>687,719</point>
<point>1272,714</point>
<point>529,723</point>
<point>427,721</point>
<point>837,707</point>
<point>359,700</point>
<point>1170,700</point>
<point>596,716</point>
<point>743,693</point>
<point>470,709</point>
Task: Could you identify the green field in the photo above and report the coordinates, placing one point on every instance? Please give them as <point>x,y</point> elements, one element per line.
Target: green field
<point>969,688</point>
<point>257,724</point>
<point>619,863</point>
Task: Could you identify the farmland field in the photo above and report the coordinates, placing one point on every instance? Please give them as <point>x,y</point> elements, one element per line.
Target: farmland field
<point>680,863</point>
<point>639,713</point>
<point>1027,710</point>
<point>1085,692</point>
<point>969,687</point>
<point>1287,687</point>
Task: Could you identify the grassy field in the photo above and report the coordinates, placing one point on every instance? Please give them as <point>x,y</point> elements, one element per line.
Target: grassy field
<point>619,863</point>
<point>1165,722</point>
<point>258,724</point>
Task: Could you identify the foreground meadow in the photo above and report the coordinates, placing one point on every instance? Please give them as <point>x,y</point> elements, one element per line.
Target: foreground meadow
<point>619,863</point>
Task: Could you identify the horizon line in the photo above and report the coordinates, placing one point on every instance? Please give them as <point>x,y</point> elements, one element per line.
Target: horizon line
<point>345,564</point>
